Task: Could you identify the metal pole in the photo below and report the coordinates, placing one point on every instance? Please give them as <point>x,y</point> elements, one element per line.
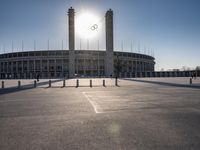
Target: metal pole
<point>104,84</point>
<point>139,48</point>
<point>49,83</point>
<point>48,44</point>
<point>34,45</point>
<point>62,44</point>
<point>19,84</point>
<point>77,83</point>
<point>80,44</point>
<point>2,84</point>
<point>12,46</point>
<point>22,45</point>
<point>131,47</point>
<point>190,80</point>
<point>98,59</point>
<point>122,46</point>
<point>35,83</point>
<point>116,82</point>
<point>87,44</point>
<point>4,47</point>
<point>90,83</point>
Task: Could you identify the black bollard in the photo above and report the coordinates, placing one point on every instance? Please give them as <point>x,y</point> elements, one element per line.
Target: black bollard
<point>49,83</point>
<point>35,83</point>
<point>90,83</point>
<point>2,84</point>
<point>19,84</point>
<point>77,83</point>
<point>116,82</point>
<point>104,84</point>
<point>64,83</point>
<point>190,80</point>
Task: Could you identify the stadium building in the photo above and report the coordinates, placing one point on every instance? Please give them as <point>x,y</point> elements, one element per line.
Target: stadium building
<point>71,63</point>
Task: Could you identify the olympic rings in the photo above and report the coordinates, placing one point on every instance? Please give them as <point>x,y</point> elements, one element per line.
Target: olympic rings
<point>94,27</point>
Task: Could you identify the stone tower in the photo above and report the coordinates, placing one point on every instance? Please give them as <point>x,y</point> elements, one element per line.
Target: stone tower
<point>109,68</point>
<point>71,22</point>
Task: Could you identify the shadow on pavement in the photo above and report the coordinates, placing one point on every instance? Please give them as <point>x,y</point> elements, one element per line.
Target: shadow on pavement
<point>165,83</point>
<point>25,87</point>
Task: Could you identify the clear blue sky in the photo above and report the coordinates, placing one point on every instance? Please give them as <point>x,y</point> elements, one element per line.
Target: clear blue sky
<point>170,28</point>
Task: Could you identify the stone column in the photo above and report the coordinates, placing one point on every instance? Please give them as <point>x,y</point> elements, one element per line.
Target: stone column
<point>71,42</point>
<point>109,69</point>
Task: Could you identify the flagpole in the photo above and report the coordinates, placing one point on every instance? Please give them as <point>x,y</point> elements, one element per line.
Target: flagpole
<point>62,44</point>
<point>98,57</point>
<point>87,44</point>
<point>4,48</point>
<point>131,47</point>
<point>80,44</point>
<point>48,44</point>
<point>12,47</point>
<point>22,45</point>
<point>34,45</point>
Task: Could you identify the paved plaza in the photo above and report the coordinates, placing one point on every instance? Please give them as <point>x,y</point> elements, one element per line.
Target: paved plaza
<point>139,114</point>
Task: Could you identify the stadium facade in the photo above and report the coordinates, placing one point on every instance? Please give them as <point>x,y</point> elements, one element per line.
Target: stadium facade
<point>71,63</point>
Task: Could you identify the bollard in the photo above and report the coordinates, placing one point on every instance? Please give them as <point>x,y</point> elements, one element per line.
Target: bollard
<point>2,84</point>
<point>35,83</point>
<point>104,84</point>
<point>116,82</point>
<point>63,83</point>
<point>190,80</point>
<point>90,83</point>
<point>49,83</point>
<point>19,84</point>
<point>77,83</point>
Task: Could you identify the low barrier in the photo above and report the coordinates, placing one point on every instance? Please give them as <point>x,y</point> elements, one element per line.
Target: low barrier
<point>77,83</point>
<point>35,84</point>
<point>104,83</point>
<point>2,84</point>
<point>19,84</point>
<point>90,83</point>
<point>64,82</point>
<point>49,83</point>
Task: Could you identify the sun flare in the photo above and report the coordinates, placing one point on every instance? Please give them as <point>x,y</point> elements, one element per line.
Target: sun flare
<point>87,25</point>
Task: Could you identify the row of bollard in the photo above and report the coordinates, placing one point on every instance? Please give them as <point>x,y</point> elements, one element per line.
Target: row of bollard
<point>18,84</point>
<point>3,85</point>
<point>77,83</point>
<point>64,83</point>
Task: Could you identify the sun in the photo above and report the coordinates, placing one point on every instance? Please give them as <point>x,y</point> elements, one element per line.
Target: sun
<point>87,25</point>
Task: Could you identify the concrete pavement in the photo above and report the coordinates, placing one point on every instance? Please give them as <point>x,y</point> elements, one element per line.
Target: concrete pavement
<point>136,115</point>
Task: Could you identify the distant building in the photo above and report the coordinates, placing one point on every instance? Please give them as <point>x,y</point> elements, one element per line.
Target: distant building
<point>71,63</point>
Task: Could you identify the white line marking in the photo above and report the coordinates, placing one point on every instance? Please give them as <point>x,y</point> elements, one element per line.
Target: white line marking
<point>100,91</point>
<point>94,105</point>
<point>107,96</point>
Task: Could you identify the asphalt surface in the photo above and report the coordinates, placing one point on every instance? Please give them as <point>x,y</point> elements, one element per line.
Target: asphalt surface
<point>134,116</point>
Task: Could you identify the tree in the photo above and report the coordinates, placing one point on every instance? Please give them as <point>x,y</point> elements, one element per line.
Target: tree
<point>197,68</point>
